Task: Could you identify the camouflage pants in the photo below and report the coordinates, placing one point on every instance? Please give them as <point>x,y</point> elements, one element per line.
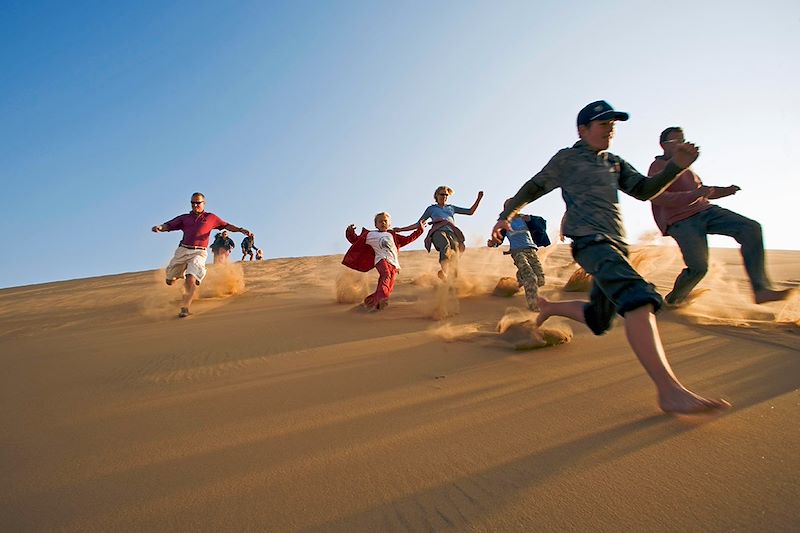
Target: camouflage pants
<point>529,274</point>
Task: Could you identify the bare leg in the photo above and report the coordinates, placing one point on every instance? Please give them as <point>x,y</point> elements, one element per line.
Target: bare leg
<point>189,286</point>
<point>571,309</point>
<point>642,332</point>
<point>443,269</point>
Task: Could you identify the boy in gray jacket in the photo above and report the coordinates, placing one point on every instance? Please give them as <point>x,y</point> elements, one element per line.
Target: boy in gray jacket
<point>590,178</point>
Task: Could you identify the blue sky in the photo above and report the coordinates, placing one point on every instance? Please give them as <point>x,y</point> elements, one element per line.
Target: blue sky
<point>299,118</point>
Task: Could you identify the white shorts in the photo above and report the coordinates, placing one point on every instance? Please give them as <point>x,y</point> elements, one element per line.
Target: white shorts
<point>187,261</point>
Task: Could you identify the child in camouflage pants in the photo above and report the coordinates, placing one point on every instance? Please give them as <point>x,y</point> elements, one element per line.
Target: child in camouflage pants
<point>523,251</point>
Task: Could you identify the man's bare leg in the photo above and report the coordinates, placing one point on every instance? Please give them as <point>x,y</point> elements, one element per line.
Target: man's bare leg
<point>570,309</point>
<point>189,288</point>
<point>642,332</point>
<point>768,295</point>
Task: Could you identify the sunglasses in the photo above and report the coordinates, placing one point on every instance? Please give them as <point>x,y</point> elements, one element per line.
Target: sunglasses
<point>197,203</point>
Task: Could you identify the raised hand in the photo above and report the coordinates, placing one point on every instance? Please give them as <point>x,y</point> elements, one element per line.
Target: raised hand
<point>685,154</point>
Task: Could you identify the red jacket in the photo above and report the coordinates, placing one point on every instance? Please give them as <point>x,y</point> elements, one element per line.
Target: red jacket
<point>360,256</point>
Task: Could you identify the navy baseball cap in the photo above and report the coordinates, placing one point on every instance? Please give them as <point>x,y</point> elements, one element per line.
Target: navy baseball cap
<point>599,110</point>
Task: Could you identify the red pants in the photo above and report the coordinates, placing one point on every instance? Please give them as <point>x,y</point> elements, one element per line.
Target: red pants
<point>387,276</point>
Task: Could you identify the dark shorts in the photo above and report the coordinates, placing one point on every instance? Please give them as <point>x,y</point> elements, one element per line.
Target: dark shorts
<point>617,288</point>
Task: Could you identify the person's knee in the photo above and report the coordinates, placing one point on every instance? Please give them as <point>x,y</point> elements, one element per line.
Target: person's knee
<point>698,268</point>
<point>696,259</point>
<point>750,231</point>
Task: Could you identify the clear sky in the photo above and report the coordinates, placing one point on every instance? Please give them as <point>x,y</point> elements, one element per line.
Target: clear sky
<point>298,118</point>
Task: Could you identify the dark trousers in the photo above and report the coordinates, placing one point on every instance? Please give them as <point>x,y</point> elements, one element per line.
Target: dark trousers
<point>691,234</point>
<point>616,286</point>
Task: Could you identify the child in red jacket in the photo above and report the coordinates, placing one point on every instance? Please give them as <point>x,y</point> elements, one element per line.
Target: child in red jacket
<point>379,249</point>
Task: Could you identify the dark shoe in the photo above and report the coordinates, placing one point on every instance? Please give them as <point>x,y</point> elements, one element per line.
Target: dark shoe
<point>184,312</point>
<point>769,295</point>
<point>383,304</point>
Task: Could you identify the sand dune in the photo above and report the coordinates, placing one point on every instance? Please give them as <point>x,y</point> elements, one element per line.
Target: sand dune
<point>278,407</point>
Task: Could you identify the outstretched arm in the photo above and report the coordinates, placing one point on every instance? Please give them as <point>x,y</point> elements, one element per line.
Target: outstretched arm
<point>642,188</point>
<point>477,202</point>
<point>722,192</point>
<point>409,227</point>
<point>159,228</point>
<point>237,229</point>
<point>402,240</point>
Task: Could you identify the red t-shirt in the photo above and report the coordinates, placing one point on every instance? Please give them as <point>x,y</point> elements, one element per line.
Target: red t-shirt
<point>682,199</point>
<point>196,228</point>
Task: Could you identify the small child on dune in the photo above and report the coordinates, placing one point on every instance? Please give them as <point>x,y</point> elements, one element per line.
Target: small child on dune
<point>526,235</point>
<point>378,249</point>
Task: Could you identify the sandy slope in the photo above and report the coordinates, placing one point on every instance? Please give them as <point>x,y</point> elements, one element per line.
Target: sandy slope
<point>276,408</point>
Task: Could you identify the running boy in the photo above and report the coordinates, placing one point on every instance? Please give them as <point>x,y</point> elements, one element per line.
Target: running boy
<point>590,179</point>
<point>379,249</point>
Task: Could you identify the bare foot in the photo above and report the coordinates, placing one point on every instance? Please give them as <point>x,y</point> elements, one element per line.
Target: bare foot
<point>545,311</point>
<point>768,295</point>
<point>684,401</point>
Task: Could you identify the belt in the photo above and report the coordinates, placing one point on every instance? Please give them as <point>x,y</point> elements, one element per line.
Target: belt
<point>192,247</point>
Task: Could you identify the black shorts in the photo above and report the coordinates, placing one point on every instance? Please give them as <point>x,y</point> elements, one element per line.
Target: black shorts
<point>616,287</point>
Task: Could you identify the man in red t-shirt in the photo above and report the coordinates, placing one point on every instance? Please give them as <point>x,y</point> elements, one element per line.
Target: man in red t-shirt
<point>683,212</point>
<point>189,261</point>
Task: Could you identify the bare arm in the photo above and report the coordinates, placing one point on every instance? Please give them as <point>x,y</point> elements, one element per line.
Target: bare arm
<point>402,240</point>
<point>237,229</point>
<point>422,219</point>
<point>409,227</point>
<point>477,202</point>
